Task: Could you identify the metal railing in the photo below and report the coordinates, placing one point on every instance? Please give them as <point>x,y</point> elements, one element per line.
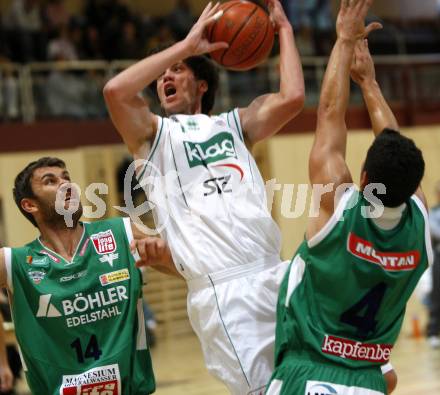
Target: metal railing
<point>74,89</point>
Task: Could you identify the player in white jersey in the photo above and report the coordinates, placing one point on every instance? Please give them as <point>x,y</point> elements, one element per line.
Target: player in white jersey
<point>209,196</point>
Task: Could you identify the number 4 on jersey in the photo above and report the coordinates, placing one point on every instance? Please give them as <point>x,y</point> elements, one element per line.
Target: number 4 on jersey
<point>92,349</point>
<point>368,306</point>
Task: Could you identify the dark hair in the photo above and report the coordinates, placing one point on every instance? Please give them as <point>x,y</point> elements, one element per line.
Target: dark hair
<point>23,187</point>
<point>395,161</point>
<point>204,69</point>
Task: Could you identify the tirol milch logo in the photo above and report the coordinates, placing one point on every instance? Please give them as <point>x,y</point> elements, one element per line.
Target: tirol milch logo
<point>217,148</point>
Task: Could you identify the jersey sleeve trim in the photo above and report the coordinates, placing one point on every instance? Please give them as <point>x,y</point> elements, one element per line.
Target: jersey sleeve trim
<point>160,123</point>
<point>8,267</point>
<point>334,219</point>
<point>428,244</point>
<point>129,234</point>
<point>386,368</point>
<point>296,274</point>
<point>154,146</point>
<point>237,123</point>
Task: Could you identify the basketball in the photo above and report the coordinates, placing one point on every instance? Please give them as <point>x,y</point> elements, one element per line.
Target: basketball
<point>247,29</point>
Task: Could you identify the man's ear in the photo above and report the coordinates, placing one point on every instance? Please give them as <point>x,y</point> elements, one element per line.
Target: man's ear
<point>203,86</point>
<point>29,205</point>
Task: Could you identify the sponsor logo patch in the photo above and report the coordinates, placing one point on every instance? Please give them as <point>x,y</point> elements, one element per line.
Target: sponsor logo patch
<point>36,275</point>
<point>389,261</point>
<point>104,242</point>
<point>109,258</point>
<point>114,277</point>
<point>37,262</point>
<point>83,308</point>
<point>51,256</point>
<point>217,148</point>
<point>73,276</point>
<point>102,380</point>
<point>324,388</point>
<point>351,349</point>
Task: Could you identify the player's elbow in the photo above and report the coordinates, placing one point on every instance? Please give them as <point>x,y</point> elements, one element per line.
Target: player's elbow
<point>294,102</point>
<point>113,91</point>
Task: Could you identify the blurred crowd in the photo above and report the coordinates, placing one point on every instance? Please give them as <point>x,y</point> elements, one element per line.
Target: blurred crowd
<point>45,30</point>
<point>36,30</point>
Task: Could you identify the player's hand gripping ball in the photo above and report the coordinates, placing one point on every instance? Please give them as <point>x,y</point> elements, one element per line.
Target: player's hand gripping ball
<point>248,30</point>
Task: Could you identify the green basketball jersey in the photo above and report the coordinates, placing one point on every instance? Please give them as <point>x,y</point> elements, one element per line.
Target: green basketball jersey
<point>80,324</point>
<point>343,298</point>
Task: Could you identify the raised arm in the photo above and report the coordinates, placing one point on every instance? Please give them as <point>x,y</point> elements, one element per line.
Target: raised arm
<point>381,115</point>
<point>364,74</point>
<point>267,114</point>
<point>327,159</point>
<point>129,112</point>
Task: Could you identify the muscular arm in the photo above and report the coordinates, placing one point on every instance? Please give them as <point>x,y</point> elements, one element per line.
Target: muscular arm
<point>267,114</point>
<point>327,159</point>
<point>129,112</point>
<point>381,115</point>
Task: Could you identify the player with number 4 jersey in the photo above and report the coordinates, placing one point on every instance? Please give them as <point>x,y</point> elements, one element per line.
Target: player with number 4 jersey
<point>343,299</point>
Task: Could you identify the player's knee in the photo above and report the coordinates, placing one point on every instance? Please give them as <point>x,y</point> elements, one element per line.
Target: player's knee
<point>391,380</point>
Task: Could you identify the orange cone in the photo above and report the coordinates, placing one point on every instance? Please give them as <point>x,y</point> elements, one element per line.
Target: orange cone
<point>416,332</point>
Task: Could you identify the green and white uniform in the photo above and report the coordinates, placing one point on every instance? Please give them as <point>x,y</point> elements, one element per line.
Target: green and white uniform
<point>343,300</point>
<point>210,205</point>
<point>80,324</point>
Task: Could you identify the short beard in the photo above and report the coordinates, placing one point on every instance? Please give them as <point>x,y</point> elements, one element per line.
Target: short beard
<point>57,221</point>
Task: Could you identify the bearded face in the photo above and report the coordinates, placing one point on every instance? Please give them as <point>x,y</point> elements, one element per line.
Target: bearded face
<point>57,201</point>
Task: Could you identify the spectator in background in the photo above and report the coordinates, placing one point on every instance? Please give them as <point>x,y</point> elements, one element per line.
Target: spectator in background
<point>313,21</point>
<point>24,25</point>
<point>129,45</point>
<point>61,47</point>
<point>9,92</point>
<point>92,43</point>
<point>56,16</point>
<point>181,19</point>
<point>162,37</point>
<point>433,330</point>
<point>321,21</point>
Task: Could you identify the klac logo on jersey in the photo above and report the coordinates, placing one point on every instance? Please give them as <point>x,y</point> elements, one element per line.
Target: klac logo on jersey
<point>217,148</point>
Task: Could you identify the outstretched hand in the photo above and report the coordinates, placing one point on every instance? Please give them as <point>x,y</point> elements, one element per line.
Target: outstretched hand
<point>196,38</point>
<point>350,24</point>
<point>362,67</point>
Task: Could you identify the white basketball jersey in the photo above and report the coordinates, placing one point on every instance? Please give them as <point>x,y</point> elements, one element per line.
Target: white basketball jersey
<point>209,199</point>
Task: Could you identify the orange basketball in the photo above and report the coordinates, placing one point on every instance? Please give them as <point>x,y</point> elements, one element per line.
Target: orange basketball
<point>249,32</point>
